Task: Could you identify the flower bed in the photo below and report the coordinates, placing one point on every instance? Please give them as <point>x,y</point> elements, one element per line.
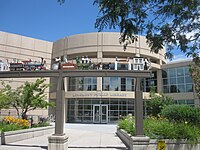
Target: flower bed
<point>152,144</point>
<point>182,135</point>
<point>16,129</point>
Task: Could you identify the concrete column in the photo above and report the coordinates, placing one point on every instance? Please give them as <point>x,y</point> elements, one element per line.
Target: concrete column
<point>59,140</point>
<point>138,108</point>
<point>99,83</point>
<point>159,81</point>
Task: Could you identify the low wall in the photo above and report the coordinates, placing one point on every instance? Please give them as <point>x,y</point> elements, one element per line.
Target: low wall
<point>152,144</point>
<point>18,135</point>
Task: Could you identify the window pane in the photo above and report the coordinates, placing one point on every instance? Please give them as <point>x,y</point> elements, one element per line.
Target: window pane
<point>173,89</point>
<point>188,79</point>
<point>114,84</point>
<point>123,87</point>
<point>180,80</point>
<point>172,72</point>
<point>165,81</point>
<point>172,80</point>
<point>180,71</point>
<point>190,102</point>
<point>181,88</point>
<point>187,71</point>
<point>164,73</point>
<point>123,80</point>
<point>189,88</point>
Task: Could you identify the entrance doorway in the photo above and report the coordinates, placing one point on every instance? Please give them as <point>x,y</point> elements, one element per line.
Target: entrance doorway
<point>100,113</point>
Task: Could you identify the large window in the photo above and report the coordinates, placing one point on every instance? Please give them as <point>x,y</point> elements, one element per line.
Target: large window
<point>82,84</point>
<point>118,84</point>
<point>147,83</point>
<point>185,102</point>
<point>177,80</point>
<point>81,110</point>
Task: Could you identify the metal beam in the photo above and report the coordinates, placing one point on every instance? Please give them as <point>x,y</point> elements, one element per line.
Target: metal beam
<point>75,73</point>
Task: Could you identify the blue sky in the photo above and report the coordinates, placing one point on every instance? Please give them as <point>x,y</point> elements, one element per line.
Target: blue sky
<point>50,21</point>
<point>47,19</point>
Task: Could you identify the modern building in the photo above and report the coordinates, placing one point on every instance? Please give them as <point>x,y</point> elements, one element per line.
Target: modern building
<point>103,99</point>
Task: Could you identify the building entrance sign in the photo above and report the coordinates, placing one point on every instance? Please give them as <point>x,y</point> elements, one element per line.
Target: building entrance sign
<point>100,113</point>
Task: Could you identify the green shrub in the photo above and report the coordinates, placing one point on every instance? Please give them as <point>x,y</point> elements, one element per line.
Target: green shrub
<point>4,127</point>
<point>182,113</point>
<point>162,128</point>
<point>157,103</point>
<point>127,124</point>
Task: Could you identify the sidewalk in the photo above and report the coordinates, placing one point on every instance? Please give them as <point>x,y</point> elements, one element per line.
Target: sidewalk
<point>81,137</point>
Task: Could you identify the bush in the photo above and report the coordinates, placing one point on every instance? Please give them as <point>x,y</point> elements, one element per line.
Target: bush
<point>127,124</point>
<point>162,128</point>
<point>182,113</point>
<point>4,127</point>
<point>157,103</point>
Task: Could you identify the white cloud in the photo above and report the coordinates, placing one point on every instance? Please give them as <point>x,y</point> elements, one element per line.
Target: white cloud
<point>179,58</point>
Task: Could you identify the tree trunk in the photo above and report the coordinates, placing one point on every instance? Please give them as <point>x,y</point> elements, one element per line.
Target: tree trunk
<point>24,116</point>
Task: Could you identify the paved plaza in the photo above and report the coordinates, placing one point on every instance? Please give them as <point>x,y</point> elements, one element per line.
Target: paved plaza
<point>81,137</point>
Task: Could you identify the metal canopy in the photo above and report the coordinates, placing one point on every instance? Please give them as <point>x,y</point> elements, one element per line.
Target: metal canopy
<point>75,73</point>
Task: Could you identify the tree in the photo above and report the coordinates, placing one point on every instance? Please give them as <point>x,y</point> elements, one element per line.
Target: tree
<point>195,74</point>
<point>27,97</point>
<point>169,23</point>
<point>157,103</point>
<point>3,100</point>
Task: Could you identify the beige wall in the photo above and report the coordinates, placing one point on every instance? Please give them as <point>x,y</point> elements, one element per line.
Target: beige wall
<point>24,48</point>
<point>104,46</point>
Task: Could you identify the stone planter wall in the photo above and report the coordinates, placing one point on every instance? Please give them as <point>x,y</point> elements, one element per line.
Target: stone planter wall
<point>142,143</point>
<point>13,136</point>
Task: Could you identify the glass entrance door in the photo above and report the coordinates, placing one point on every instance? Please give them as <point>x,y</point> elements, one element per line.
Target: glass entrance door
<point>100,113</point>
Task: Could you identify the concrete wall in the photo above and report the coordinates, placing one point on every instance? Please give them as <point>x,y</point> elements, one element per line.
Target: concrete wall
<point>24,48</point>
<point>13,136</point>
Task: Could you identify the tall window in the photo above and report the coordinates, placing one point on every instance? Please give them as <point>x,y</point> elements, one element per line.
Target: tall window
<point>177,80</point>
<point>147,83</point>
<point>118,84</point>
<point>82,84</point>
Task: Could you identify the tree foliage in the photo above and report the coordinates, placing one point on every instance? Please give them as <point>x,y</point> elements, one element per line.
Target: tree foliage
<point>27,97</point>
<point>195,73</point>
<point>3,100</point>
<point>170,23</point>
<point>157,103</point>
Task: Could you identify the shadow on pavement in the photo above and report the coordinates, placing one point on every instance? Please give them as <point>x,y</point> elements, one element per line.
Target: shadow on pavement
<point>21,145</point>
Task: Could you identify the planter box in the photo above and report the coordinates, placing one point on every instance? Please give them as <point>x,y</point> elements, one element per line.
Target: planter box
<point>152,144</point>
<point>18,135</point>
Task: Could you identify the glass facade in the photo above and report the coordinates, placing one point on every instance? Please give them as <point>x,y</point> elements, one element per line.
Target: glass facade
<point>185,102</point>
<point>110,110</point>
<point>82,84</point>
<point>85,110</point>
<point>177,80</point>
<point>117,84</point>
<point>150,82</point>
